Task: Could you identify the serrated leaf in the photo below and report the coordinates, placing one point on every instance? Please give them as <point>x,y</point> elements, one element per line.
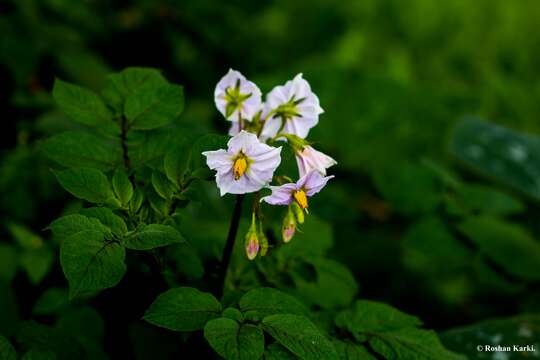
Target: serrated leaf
<point>508,156</point>
<point>70,225</point>
<point>268,301</point>
<point>367,317</point>
<point>233,341</point>
<point>411,344</point>
<point>300,336</point>
<point>7,351</point>
<point>80,104</point>
<point>86,183</point>
<point>504,243</point>
<point>91,263</point>
<point>183,309</point>
<point>76,149</point>
<point>108,218</point>
<point>152,107</point>
<point>122,186</point>
<point>153,236</point>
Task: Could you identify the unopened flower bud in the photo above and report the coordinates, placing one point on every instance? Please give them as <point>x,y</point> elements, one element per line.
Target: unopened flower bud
<point>289,226</point>
<point>298,212</point>
<point>252,240</point>
<point>263,240</point>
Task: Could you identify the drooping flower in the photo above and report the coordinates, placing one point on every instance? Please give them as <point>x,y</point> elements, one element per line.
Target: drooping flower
<point>236,97</point>
<point>310,159</point>
<point>293,107</point>
<point>246,166</point>
<point>298,192</point>
<point>288,228</point>
<point>252,240</point>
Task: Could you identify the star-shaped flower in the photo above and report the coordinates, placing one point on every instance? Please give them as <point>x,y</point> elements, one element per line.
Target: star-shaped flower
<point>306,187</point>
<point>293,108</point>
<point>246,166</point>
<point>310,159</point>
<point>236,97</point>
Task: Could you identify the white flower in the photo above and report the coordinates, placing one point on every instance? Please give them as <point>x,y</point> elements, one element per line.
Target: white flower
<point>236,97</point>
<point>310,159</point>
<point>304,188</point>
<point>294,109</point>
<point>246,166</point>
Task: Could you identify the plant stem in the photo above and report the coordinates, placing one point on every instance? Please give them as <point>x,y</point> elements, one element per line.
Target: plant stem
<point>123,141</point>
<point>229,245</point>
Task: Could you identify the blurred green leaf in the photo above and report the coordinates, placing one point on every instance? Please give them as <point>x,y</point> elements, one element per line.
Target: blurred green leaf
<point>91,263</point>
<point>86,183</point>
<point>505,155</point>
<point>276,351</point>
<point>51,301</point>
<point>473,199</point>
<point>234,341</point>
<point>37,263</point>
<point>176,161</point>
<point>26,238</point>
<point>504,243</point>
<point>162,185</point>
<point>7,352</point>
<point>183,309</point>
<point>80,104</point>
<point>8,262</point>
<point>348,350</point>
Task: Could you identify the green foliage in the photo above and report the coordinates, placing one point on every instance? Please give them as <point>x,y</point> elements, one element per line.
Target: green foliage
<point>152,236</point>
<point>234,341</point>
<point>122,186</point>
<point>91,263</point>
<point>86,183</point>
<point>183,309</point>
<point>267,301</point>
<point>7,352</point>
<point>300,336</point>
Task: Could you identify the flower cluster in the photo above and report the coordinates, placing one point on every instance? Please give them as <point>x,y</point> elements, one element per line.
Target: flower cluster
<point>250,160</point>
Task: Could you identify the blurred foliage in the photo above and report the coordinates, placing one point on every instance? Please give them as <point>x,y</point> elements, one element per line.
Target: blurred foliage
<point>414,228</point>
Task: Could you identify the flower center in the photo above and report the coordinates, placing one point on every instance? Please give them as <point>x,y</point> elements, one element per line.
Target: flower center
<point>240,166</point>
<point>301,198</point>
<point>289,109</point>
<point>234,98</point>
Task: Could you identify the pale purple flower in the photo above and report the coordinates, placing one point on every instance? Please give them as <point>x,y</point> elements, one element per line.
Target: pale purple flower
<point>294,109</point>
<point>306,187</point>
<point>310,159</point>
<point>236,97</point>
<point>246,166</point>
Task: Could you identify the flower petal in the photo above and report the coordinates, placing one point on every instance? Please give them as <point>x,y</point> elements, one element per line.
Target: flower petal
<point>281,195</point>
<point>313,182</point>
<point>219,160</point>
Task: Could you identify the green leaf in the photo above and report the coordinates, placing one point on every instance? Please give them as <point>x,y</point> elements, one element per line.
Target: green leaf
<point>276,351</point>
<point>87,184</point>
<point>26,238</point>
<point>233,341</point>
<point>334,285</point>
<point>520,330</point>
<point>153,236</point>
<point>233,314</point>
<point>8,262</point>
<point>122,186</point>
<point>81,149</point>
<point>37,263</point>
<point>504,243</point>
<point>106,216</point>
<point>69,225</point>
<point>367,317</point>
<point>162,185</point>
<point>300,336</point>
<point>152,107</point>
<point>130,82</point>
<point>413,344</point>
<point>7,352</point>
<point>508,156</point>
<point>175,162</point>
<point>91,263</point>
<point>473,199</point>
<point>80,104</point>
<point>348,350</point>
<point>51,301</point>
<point>45,339</point>
<point>183,309</point>
<point>268,301</point>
